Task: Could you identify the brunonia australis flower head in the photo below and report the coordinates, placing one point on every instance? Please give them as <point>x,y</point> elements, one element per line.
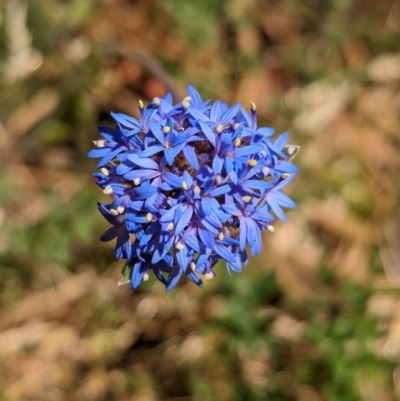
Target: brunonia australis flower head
<point>190,184</point>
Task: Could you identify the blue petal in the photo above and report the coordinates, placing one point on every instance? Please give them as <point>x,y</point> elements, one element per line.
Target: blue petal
<point>191,156</point>
<point>98,152</point>
<point>274,204</point>
<point>258,184</point>
<point>208,132</point>
<point>266,131</point>
<point>173,180</point>
<point>193,243</point>
<point>161,251</point>
<point>229,114</point>
<point>192,275</point>
<point>197,115</point>
<point>152,150</point>
<point>217,164</point>
<point>110,155</point>
<point>187,215</point>
<point>232,209</point>
<point>242,234</point>
<point>224,253</point>
<point>173,278</point>
<point>220,190</point>
<point>247,150</point>
<point>137,274</point>
<point>110,234</point>
<point>144,192</point>
<point>147,174</point>
<point>206,237</point>
<point>182,258</point>
<point>125,120</point>
<point>142,161</point>
<point>194,95</point>
<point>156,131</point>
<point>206,206</point>
<point>180,138</point>
<point>169,215</point>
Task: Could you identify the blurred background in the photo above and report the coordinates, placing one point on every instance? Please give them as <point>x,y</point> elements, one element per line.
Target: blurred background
<point>315,317</point>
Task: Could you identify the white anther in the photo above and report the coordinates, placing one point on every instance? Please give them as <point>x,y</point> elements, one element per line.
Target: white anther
<point>145,276</point>
<point>136,181</point>
<point>180,245</point>
<point>221,236</point>
<point>101,143</point>
<point>196,190</point>
<point>253,107</point>
<point>114,212</point>
<point>209,275</point>
<point>270,228</point>
<point>252,162</point>
<point>185,185</point>
<point>108,190</point>
<point>105,171</point>
<point>156,101</point>
<point>166,130</point>
<point>149,217</point>
<point>218,179</point>
<point>120,209</point>
<point>285,175</point>
<point>192,266</point>
<point>220,128</point>
<point>246,199</point>
<point>170,226</point>
<point>141,105</point>
<point>185,104</point>
<point>238,142</point>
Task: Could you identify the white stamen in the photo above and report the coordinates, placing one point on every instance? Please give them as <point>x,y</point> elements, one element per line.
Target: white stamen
<point>238,142</point>
<point>120,209</point>
<point>218,179</point>
<point>141,105</point>
<point>236,126</point>
<point>180,245</point>
<point>114,212</point>
<point>209,275</point>
<point>166,130</point>
<point>285,175</point>
<point>185,185</point>
<point>185,104</point>
<point>220,128</point>
<point>196,190</point>
<point>246,199</point>
<point>145,276</point>
<point>149,217</point>
<point>105,171</point>
<point>221,236</point>
<point>108,190</point>
<point>156,101</point>
<point>271,228</point>
<point>136,181</point>
<point>253,107</point>
<point>170,226</point>
<point>192,266</point>
<point>101,143</point>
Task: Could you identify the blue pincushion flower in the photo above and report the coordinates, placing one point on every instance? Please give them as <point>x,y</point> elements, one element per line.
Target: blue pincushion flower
<point>190,185</point>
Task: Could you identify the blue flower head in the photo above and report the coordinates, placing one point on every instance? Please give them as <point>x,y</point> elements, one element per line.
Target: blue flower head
<point>190,185</point>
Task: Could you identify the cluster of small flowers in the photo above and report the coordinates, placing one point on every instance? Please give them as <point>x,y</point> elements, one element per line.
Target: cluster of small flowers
<point>190,185</point>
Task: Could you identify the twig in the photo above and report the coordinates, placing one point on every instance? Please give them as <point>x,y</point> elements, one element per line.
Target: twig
<point>146,61</point>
